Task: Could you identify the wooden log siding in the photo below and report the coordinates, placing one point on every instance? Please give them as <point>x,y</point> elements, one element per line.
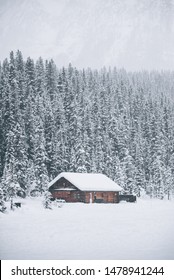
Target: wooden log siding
<point>103,197</point>
<point>69,196</point>
<point>80,196</point>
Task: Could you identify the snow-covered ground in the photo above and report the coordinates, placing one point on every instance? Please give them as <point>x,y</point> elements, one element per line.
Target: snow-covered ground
<point>142,230</point>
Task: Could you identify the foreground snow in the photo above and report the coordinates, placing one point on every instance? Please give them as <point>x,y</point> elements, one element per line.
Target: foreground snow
<point>142,230</point>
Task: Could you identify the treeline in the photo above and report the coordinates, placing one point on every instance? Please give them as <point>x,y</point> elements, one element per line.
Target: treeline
<point>110,121</point>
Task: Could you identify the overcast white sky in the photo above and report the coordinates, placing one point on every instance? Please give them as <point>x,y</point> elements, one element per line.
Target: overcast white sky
<point>134,34</point>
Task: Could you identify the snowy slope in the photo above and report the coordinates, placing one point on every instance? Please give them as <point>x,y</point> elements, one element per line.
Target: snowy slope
<point>142,230</point>
<point>130,33</point>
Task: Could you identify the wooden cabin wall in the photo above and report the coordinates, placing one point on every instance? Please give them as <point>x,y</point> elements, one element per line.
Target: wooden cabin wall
<point>79,196</point>
<point>68,196</point>
<point>103,197</point>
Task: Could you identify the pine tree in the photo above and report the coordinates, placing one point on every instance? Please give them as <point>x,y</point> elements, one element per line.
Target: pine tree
<point>109,121</point>
<point>47,200</point>
<point>2,200</point>
<point>40,157</point>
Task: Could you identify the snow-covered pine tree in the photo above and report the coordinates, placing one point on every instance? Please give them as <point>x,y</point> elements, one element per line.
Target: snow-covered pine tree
<point>47,200</point>
<point>40,157</point>
<point>109,121</point>
<point>2,199</point>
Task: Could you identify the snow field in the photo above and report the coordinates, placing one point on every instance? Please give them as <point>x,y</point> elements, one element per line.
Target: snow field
<point>142,230</point>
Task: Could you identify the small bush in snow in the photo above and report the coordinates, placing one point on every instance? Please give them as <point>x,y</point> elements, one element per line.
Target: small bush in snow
<point>2,206</point>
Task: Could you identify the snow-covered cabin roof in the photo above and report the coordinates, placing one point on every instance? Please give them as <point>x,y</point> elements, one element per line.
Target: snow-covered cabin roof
<point>88,181</point>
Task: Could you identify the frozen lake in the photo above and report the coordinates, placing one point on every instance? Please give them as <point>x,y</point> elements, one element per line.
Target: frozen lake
<point>142,230</point>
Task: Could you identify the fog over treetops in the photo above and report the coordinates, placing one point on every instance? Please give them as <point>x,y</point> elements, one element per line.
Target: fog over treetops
<point>134,34</point>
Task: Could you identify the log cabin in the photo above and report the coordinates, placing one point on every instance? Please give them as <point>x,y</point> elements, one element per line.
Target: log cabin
<point>84,187</point>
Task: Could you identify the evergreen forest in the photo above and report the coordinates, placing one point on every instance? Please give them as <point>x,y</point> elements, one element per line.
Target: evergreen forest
<point>108,121</point>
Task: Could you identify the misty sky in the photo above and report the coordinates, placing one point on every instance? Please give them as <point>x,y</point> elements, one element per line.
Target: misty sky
<point>134,34</point>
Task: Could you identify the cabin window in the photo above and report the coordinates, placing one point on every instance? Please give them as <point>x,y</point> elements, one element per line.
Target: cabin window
<point>76,195</point>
